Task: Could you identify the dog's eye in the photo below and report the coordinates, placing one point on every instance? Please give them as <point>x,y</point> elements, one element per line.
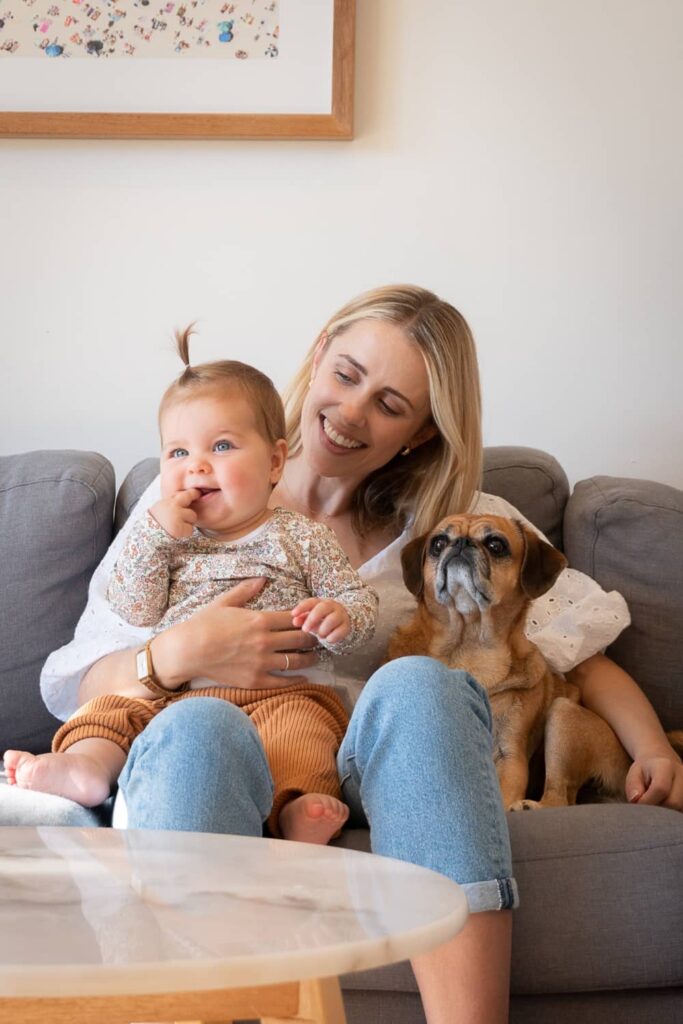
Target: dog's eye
<point>437,544</point>
<point>496,545</point>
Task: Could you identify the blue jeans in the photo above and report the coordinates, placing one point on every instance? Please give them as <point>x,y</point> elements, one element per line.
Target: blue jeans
<point>415,765</point>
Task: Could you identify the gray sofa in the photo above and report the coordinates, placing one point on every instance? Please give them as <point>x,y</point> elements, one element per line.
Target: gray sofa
<point>598,937</point>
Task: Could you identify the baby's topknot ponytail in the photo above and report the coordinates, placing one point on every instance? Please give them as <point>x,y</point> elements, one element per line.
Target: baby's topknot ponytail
<point>226,376</point>
<point>182,340</point>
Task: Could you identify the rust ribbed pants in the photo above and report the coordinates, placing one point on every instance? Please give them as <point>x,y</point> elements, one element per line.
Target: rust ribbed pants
<point>300,726</point>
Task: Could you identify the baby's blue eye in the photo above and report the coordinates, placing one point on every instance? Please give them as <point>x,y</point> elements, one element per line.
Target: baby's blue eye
<point>222,446</point>
<point>179,453</point>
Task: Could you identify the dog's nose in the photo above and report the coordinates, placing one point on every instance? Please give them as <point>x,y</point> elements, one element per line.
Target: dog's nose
<point>457,545</point>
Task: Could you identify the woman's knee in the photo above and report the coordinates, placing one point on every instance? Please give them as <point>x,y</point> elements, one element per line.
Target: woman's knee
<point>206,728</point>
<point>198,766</point>
<point>419,684</point>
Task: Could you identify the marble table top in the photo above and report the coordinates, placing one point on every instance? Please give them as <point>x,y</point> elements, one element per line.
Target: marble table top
<point>104,912</point>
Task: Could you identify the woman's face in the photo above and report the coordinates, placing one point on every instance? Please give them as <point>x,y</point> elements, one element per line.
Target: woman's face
<point>369,396</point>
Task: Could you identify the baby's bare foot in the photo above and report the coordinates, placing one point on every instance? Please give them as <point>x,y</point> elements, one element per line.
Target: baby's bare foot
<point>75,776</point>
<point>312,818</point>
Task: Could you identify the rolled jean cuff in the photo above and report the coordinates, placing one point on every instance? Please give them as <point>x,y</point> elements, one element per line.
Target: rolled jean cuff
<point>496,894</point>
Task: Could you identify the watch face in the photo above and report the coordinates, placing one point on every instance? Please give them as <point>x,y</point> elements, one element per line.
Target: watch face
<point>141,660</point>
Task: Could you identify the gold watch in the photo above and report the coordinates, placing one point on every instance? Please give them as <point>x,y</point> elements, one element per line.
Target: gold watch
<point>146,676</point>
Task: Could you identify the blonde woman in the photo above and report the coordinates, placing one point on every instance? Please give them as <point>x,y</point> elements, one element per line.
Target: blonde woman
<point>385,436</point>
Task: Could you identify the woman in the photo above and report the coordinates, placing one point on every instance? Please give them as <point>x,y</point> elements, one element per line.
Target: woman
<point>385,435</point>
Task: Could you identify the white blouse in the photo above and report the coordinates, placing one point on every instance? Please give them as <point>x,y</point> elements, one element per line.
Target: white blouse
<point>572,621</point>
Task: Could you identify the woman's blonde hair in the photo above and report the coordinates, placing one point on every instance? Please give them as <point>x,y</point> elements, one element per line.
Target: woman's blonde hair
<point>440,476</point>
<point>216,377</point>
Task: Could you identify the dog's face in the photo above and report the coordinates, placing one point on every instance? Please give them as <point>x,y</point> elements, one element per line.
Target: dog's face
<point>473,563</point>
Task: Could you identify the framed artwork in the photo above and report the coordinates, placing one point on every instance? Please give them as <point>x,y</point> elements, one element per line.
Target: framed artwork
<point>172,69</point>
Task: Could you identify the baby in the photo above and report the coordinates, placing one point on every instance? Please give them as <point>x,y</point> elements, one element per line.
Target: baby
<point>222,431</point>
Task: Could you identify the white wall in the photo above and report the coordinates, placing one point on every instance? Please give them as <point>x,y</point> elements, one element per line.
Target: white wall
<point>522,159</point>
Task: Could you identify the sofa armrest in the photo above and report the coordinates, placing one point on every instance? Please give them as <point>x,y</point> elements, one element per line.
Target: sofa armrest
<point>55,526</point>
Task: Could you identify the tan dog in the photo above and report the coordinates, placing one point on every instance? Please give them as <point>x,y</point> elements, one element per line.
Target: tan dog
<point>474,578</point>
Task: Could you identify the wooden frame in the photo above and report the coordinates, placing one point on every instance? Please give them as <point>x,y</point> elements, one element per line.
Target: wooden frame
<point>338,124</point>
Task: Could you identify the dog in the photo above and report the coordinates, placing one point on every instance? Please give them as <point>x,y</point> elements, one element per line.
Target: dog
<point>474,578</point>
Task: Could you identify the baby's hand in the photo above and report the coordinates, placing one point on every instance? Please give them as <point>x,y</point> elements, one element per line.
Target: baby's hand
<point>327,620</point>
<point>175,515</point>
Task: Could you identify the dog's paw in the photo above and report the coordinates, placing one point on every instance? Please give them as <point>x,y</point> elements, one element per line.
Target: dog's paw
<point>524,805</point>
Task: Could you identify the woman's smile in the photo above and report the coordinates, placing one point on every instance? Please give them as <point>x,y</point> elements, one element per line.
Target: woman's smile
<point>337,440</point>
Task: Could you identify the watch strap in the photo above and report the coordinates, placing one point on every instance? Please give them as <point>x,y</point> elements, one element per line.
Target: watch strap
<point>146,675</point>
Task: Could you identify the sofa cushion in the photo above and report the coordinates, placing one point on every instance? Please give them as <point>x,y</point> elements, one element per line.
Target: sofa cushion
<point>628,535</point>
<point>55,526</point>
<point>656,1006</point>
<point>601,884</point>
<point>533,481</point>
<point>600,900</point>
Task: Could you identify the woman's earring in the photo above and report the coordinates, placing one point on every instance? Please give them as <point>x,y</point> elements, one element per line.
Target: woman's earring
<point>405,450</point>
<point>310,384</point>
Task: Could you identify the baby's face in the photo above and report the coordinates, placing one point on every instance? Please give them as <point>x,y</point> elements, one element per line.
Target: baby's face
<point>211,442</point>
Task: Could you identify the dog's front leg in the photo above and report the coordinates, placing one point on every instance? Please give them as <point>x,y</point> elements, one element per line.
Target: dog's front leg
<point>512,766</point>
<point>518,732</point>
<point>580,747</point>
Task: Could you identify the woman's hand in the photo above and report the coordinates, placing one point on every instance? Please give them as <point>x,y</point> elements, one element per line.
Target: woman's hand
<point>232,645</point>
<point>657,779</point>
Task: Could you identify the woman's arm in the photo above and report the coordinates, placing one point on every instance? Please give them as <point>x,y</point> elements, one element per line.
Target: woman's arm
<point>656,776</point>
<point>114,673</point>
<point>225,642</point>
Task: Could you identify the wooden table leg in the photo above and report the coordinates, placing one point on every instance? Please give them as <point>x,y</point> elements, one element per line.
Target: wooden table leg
<point>320,1002</point>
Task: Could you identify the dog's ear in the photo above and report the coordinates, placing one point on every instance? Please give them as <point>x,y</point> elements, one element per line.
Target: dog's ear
<point>541,566</point>
<point>412,559</point>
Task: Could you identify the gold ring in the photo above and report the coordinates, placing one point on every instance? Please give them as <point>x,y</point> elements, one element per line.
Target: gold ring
<point>286,668</point>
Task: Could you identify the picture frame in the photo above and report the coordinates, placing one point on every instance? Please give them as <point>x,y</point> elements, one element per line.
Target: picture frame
<point>334,122</point>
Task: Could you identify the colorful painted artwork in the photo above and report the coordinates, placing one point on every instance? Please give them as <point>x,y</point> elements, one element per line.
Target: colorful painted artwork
<point>139,28</point>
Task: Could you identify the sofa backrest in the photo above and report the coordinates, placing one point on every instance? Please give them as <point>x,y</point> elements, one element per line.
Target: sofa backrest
<point>531,480</point>
<point>55,526</point>
<point>56,523</point>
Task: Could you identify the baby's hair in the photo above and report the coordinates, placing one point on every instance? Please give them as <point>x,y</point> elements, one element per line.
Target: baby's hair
<point>226,375</point>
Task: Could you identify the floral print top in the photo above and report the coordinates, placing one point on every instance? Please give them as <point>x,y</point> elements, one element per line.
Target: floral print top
<point>159,581</point>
